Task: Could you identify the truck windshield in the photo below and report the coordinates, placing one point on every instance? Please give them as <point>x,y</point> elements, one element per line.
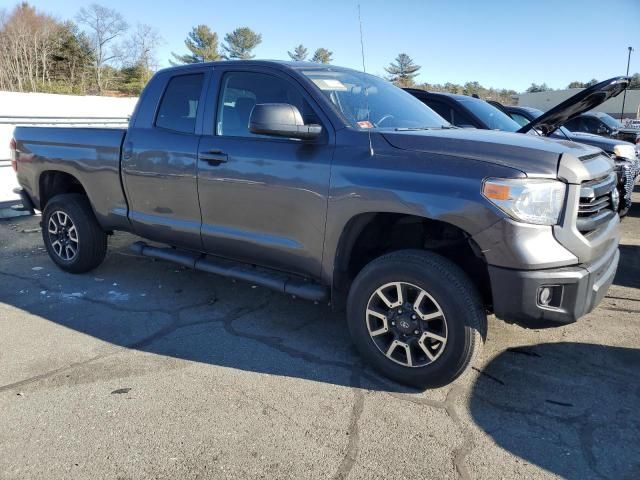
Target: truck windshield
<point>368,102</point>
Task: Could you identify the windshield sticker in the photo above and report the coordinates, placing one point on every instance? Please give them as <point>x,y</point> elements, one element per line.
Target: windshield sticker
<point>365,124</point>
<point>329,84</point>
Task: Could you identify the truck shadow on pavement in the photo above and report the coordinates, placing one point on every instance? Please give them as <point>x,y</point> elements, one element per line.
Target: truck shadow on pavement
<point>570,408</point>
<point>158,307</point>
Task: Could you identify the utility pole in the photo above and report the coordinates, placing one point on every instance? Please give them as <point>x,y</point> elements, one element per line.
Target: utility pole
<point>624,95</point>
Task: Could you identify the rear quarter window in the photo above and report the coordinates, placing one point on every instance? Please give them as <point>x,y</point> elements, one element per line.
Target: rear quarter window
<point>179,104</point>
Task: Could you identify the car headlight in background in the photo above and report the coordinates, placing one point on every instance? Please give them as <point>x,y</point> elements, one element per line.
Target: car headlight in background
<point>530,200</point>
<point>625,151</point>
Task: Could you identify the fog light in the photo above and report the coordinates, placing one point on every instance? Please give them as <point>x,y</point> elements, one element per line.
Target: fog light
<point>544,296</point>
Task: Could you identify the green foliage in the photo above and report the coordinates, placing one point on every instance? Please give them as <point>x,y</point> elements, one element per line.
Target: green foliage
<point>299,54</point>
<point>240,43</point>
<point>502,95</point>
<point>202,44</point>
<point>538,88</point>
<point>576,84</point>
<point>403,71</point>
<point>72,61</point>
<point>322,55</point>
<point>132,79</point>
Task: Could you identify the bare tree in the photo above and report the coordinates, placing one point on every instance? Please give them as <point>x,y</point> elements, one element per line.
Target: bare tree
<point>141,47</point>
<point>28,40</point>
<point>105,25</point>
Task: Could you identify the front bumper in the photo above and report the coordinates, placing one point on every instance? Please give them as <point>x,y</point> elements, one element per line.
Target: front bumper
<point>576,291</point>
<point>627,172</point>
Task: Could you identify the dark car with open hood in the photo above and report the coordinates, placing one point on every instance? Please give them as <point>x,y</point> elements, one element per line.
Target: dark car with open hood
<point>625,154</point>
<point>469,112</point>
<point>603,124</point>
<point>335,186</point>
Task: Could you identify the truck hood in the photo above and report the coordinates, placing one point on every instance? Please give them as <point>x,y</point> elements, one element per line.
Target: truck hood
<point>533,155</point>
<point>604,143</point>
<point>581,102</point>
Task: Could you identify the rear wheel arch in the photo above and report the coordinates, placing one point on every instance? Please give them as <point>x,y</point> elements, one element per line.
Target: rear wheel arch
<point>56,182</point>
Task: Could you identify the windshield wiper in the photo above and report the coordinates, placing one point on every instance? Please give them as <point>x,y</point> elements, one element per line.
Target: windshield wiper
<point>413,129</point>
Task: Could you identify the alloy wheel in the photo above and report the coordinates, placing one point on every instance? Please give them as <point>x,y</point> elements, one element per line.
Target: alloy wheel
<point>406,324</point>
<point>63,235</point>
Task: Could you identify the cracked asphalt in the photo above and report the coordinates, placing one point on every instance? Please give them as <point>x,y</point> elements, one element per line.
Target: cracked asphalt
<point>145,369</point>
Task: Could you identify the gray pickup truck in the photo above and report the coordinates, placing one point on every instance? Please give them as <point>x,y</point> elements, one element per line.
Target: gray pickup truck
<point>332,185</point>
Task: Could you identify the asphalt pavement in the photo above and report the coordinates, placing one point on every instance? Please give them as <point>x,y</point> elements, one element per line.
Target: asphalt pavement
<point>144,369</point>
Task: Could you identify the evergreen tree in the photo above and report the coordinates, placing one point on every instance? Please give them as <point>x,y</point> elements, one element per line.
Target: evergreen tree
<point>133,79</point>
<point>72,62</point>
<point>299,53</point>
<point>322,55</point>
<point>538,88</point>
<point>240,43</point>
<point>202,44</point>
<point>403,71</point>
<point>576,84</point>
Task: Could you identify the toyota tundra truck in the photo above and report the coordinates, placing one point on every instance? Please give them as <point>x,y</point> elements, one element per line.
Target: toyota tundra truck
<point>335,186</point>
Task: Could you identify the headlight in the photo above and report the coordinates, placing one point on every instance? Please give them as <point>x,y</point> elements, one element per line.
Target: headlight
<point>529,200</point>
<point>625,151</point>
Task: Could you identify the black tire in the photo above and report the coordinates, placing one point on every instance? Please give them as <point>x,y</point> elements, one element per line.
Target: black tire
<point>91,245</point>
<point>456,296</point>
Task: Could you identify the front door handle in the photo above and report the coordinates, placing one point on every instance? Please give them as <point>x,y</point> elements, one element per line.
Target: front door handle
<point>213,157</point>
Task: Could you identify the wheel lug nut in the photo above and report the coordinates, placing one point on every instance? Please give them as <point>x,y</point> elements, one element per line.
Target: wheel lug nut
<point>416,332</point>
<point>399,312</point>
<point>413,317</point>
<point>393,324</point>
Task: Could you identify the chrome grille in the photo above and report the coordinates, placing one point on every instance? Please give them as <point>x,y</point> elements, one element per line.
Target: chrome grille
<point>596,205</point>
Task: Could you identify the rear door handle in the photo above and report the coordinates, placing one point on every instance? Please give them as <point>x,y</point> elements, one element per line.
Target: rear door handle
<point>213,157</point>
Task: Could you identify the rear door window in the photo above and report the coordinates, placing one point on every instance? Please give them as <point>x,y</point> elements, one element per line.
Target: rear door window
<point>179,104</point>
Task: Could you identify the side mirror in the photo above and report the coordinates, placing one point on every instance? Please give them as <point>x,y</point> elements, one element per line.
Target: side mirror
<point>281,120</point>
<point>602,130</point>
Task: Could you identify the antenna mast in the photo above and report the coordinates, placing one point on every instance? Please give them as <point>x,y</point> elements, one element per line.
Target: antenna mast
<point>366,90</point>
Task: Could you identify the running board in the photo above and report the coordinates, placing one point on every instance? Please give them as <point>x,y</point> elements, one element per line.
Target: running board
<point>277,281</point>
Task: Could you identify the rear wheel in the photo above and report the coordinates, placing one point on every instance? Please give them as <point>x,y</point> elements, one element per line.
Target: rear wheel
<point>416,317</point>
<point>72,236</point>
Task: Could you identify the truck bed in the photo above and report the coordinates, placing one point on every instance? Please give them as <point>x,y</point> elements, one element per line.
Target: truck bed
<point>92,155</point>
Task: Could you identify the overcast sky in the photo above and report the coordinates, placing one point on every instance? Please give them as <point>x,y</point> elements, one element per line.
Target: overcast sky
<point>506,44</point>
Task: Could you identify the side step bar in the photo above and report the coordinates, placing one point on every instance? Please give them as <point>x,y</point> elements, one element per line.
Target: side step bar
<point>277,281</point>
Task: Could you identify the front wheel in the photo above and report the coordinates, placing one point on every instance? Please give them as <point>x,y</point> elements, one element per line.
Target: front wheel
<point>72,236</point>
<point>625,202</point>
<point>416,317</point>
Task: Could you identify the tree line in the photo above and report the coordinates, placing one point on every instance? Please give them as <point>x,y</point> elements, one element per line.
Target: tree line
<point>403,72</point>
<point>633,84</point>
<point>98,52</point>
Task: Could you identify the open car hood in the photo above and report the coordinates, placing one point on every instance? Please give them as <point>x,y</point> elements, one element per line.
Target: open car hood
<point>581,102</point>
